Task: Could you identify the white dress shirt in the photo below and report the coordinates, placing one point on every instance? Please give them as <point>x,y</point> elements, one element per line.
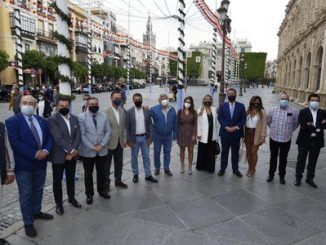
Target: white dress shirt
<point>251,121</point>
<point>66,119</point>
<point>140,121</point>
<point>314,115</point>
<point>116,114</point>
<point>40,107</point>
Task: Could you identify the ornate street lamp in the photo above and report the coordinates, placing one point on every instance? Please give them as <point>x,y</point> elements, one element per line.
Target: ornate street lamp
<point>225,23</point>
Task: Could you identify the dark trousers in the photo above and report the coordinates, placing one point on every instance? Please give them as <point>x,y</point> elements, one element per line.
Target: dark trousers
<point>234,144</point>
<point>30,188</point>
<point>69,168</point>
<point>117,155</point>
<point>88,163</point>
<point>313,150</point>
<point>281,150</point>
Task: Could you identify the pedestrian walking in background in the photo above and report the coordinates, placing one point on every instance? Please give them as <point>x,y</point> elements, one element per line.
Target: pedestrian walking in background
<point>164,120</point>
<point>66,134</point>
<point>232,118</point>
<point>31,142</point>
<point>85,101</point>
<point>187,132</point>
<point>44,108</point>
<point>312,121</point>
<point>117,141</point>
<point>139,136</point>
<point>95,132</point>
<point>282,121</point>
<point>207,135</point>
<point>122,89</point>
<point>15,97</point>
<point>255,132</point>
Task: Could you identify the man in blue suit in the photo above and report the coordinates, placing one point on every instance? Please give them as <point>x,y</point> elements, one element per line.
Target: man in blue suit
<point>232,117</point>
<point>31,142</point>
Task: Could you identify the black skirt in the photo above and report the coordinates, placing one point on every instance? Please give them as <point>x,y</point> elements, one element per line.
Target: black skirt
<point>206,156</point>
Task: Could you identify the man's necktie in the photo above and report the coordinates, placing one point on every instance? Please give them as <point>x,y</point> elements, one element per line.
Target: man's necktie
<point>232,110</point>
<point>35,133</point>
<point>94,120</point>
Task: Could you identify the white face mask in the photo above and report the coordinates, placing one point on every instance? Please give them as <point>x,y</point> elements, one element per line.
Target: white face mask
<point>164,102</point>
<point>27,110</point>
<point>40,98</point>
<point>187,105</point>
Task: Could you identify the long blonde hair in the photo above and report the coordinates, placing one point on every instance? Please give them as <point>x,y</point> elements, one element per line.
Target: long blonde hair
<point>207,96</point>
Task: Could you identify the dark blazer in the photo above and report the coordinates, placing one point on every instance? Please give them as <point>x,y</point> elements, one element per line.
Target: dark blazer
<point>47,109</point>
<point>131,124</point>
<point>238,119</point>
<point>3,161</point>
<point>63,141</point>
<point>307,128</point>
<point>23,143</point>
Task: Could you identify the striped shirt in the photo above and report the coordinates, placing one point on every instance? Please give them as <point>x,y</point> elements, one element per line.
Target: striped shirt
<point>282,123</point>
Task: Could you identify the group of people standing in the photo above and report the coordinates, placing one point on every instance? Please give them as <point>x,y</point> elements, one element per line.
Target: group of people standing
<point>98,137</point>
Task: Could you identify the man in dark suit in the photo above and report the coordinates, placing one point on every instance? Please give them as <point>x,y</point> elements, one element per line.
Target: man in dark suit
<point>31,142</point>
<point>66,134</point>
<point>310,140</point>
<point>138,128</point>
<point>232,117</point>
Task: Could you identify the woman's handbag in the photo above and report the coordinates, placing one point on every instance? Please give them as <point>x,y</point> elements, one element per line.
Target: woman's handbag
<point>243,153</point>
<point>217,148</point>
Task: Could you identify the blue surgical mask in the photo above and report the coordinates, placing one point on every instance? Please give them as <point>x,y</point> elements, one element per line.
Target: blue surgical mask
<point>117,102</point>
<point>314,105</point>
<point>284,103</point>
<point>27,110</point>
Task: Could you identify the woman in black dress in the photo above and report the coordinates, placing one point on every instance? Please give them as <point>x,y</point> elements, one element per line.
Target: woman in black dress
<point>207,135</point>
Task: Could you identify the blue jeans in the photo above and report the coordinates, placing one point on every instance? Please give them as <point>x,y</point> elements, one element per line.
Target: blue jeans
<point>142,144</point>
<point>166,142</point>
<point>30,188</point>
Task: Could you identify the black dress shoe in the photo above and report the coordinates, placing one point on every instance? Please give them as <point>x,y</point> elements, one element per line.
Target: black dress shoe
<point>156,172</point>
<point>221,173</point>
<point>270,178</point>
<point>168,172</point>
<point>75,203</point>
<point>151,179</point>
<point>282,181</point>
<point>43,216</point>
<point>4,242</point>
<point>59,209</point>
<point>121,184</point>
<point>237,173</point>
<point>312,183</point>
<point>30,231</point>
<point>135,179</point>
<point>297,182</point>
<point>89,200</point>
<point>105,195</point>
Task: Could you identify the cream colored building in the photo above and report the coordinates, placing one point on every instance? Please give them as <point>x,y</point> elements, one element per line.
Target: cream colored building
<point>301,62</point>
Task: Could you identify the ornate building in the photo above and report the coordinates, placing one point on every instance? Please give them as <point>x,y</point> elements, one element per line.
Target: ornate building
<point>301,62</point>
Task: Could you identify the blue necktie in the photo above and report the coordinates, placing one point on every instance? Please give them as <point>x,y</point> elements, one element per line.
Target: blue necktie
<point>35,133</point>
<point>94,120</point>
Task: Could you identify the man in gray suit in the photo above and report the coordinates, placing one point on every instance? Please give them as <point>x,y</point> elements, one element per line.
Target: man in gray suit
<point>95,131</point>
<point>65,131</point>
<point>116,116</point>
<point>138,128</point>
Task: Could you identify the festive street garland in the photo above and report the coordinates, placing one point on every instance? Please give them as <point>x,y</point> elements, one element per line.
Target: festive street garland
<point>64,60</point>
<point>63,16</point>
<point>64,40</point>
<point>65,79</point>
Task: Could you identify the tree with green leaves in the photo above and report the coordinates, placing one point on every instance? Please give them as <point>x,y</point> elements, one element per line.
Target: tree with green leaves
<point>4,61</point>
<point>33,59</point>
<point>255,66</point>
<point>79,71</point>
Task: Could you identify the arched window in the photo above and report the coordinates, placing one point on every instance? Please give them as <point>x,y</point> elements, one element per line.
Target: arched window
<point>307,70</point>
<point>319,60</point>
<point>299,82</point>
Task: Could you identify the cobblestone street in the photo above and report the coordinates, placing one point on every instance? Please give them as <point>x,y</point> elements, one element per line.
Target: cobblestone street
<point>198,209</point>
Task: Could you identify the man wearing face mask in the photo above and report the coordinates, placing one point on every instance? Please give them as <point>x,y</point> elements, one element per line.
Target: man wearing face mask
<point>44,108</point>
<point>232,117</point>
<point>95,130</point>
<point>66,134</point>
<point>139,136</point>
<point>164,118</point>
<point>310,139</point>
<point>116,116</point>
<point>282,121</point>
<point>31,142</point>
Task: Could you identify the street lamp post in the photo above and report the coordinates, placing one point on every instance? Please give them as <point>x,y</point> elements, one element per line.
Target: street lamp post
<point>241,71</point>
<point>245,82</point>
<point>225,23</point>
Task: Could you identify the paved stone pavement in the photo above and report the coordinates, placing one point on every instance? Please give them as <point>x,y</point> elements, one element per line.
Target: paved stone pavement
<point>198,209</point>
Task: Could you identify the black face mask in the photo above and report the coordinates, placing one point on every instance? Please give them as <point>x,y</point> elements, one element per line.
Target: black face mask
<point>138,103</point>
<point>231,98</point>
<point>256,105</point>
<point>93,108</point>
<point>207,103</point>
<point>64,111</point>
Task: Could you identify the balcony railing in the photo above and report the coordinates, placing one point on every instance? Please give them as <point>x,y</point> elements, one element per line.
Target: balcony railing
<point>43,33</point>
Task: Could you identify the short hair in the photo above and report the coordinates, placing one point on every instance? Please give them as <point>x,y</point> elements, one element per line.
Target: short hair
<point>137,95</point>
<point>86,95</point>
<point>92,98</point>
<point>115,91</point>
<point>162,95</point>
<point>28,97</point>
<point>313,95</point>
<point>232,89</point>
<point>63,99</point>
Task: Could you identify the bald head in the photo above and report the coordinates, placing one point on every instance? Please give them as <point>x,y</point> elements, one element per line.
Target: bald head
<point>28,100</point>
<point>284,96</point>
